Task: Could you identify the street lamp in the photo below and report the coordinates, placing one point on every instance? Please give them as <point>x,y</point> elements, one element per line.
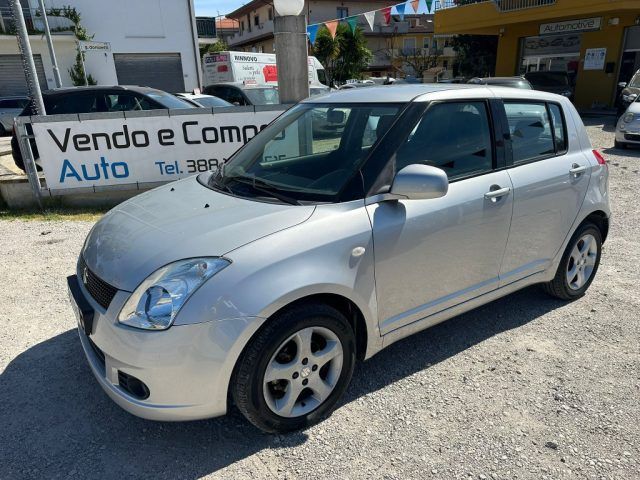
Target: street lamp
<point>290,31</point>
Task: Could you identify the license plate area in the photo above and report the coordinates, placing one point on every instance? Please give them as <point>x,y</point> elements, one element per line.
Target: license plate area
<point>82,308</point>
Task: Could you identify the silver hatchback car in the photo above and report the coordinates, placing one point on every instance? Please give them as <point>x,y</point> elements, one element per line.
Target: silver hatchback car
<point>261,283</point>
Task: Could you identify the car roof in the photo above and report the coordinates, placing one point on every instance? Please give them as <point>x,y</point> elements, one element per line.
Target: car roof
<point>14,97</point>
<point>501,79</point>
<point>91,88</point>
<point>427,92</point>
<point>242,86</point>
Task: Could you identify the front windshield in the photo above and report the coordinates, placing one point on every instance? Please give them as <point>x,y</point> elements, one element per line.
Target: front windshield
<point>212,102</point>
<point>549,79</point>
<point>309,153</point>
<point>635,81</point>
<point>263,96</point>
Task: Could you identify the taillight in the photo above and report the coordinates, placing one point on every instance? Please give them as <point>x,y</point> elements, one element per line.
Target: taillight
<point>599,158</point>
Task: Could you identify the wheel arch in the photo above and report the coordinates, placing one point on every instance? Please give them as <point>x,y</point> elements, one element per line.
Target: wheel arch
<point>601,220</point>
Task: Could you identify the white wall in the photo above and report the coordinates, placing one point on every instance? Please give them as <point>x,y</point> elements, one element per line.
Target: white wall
<point>65,47</point>
<point>137,26</point>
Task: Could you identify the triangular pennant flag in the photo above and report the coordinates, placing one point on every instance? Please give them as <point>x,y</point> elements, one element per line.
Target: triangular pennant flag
<point>332,26</point>
<point>429,5</point>
<point>353,23</point>
<point>400,9</point>
<point>312,31</point>
<point>386,13</point>
<point>370,17</point>
<point>416,5</point>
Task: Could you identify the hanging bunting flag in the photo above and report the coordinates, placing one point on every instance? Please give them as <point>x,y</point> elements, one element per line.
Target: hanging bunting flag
<point>312,31</point>
<point>429,5</point>
<point>416,5</point>
<point>332,26</point>
<point>400,9</point>
<point>370,17</point>
<point>386,13</point>
<point>353,23</point>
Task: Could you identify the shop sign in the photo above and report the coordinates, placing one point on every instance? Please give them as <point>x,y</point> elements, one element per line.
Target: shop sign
<point>594,58</point>
<point>551,45</point>
<point>569,26</point>
<point>87,46</point>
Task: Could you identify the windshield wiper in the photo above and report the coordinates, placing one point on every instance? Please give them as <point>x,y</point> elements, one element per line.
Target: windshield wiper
<point>264,187</point>
<point>217,181</point>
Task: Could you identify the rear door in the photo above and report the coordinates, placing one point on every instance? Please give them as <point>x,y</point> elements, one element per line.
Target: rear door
<point>550,175</point>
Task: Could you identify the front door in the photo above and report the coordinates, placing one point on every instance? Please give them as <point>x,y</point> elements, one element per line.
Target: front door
<point>550,174</point>
<point>433,254</point>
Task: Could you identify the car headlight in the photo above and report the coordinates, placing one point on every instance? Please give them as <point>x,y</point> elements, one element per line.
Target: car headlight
<point>157,301</point>
<point>629,98</point>
<point>628,118</point>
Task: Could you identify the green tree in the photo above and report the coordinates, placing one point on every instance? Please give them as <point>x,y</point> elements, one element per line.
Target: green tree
<point>475,55</point>
<point>344,57</point>
<point>215,47</point>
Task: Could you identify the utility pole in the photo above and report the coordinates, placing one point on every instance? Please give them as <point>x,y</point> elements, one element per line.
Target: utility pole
<point>52,53</point>
<point>31,76</point>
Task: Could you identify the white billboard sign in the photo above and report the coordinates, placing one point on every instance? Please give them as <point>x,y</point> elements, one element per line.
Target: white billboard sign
<point>121,151</point>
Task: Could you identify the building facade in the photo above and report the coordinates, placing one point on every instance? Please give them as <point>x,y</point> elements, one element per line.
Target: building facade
<point>597,42</point>
<point>255,20</point>
<point>152,43</point>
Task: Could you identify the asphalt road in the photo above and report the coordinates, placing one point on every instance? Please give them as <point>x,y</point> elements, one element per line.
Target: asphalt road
<point>527,387</point>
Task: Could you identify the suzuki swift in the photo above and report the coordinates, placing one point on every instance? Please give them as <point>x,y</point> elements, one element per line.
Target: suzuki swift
<point>353,220</point>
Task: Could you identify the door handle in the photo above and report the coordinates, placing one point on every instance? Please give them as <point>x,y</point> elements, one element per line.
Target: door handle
<point>577,169</point>
<point>495,194</point>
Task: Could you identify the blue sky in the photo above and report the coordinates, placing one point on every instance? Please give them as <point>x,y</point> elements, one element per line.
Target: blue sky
<point>210,8</point>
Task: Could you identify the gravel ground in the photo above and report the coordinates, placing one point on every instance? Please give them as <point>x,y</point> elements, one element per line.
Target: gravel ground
<point>527,387</point>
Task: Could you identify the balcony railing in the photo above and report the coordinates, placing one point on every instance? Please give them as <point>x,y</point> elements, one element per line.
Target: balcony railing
<point>206,27</point>
<point>256,31</point>
<point>514,5</point>
<point>34,22</point>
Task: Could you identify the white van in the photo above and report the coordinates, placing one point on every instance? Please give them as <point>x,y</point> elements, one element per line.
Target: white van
<point>226,67</point>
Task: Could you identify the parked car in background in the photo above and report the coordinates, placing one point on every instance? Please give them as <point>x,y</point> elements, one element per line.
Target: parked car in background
<point>552,82</point>
<point>202,100</point>
<point>628,126</point>
<point>242,94</point>
<point>629,93</point>
<point>513,82</point>
<point>10,108</point>
<point>306,253</point>
<point>98,99</point>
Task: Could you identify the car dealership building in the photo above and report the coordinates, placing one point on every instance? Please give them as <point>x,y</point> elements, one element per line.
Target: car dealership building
<point>597,42</point>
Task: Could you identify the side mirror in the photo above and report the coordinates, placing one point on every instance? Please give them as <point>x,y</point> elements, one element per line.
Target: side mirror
<point>335,117</point>
<point>420,182</point>
<point>622,85</point>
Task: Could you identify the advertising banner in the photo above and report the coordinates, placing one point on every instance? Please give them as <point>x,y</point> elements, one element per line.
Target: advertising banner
<point>120,151</point>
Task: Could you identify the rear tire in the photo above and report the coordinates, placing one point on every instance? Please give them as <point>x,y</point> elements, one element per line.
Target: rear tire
<point>579,264</point>
<point>294,371</point>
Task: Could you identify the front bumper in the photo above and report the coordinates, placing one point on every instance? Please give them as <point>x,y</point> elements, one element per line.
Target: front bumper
<point>186,368</point>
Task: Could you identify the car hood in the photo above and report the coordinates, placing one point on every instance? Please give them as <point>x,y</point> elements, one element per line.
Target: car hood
<point>181,220</point>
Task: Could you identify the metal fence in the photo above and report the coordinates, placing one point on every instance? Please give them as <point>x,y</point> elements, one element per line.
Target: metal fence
<point>35,23</point>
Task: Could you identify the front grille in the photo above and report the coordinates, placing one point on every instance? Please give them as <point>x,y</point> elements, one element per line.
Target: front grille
<point>99,290</point>
<point>633,137</point>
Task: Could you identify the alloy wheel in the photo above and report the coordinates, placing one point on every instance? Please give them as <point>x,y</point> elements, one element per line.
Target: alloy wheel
<point>303,372</point>
<point>582,262</point>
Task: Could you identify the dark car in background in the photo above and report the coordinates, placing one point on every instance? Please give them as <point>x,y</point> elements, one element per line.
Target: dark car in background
<point>513,82</point>
<point>10,107</point>
<point>553,82</point>
<point>240,94</point>
<point>98,99</point>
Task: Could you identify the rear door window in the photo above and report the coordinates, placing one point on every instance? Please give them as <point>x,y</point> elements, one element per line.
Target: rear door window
<point>559,128</point>
<point>530,130</point>
<point>88,102</point>
<point>453,136</point>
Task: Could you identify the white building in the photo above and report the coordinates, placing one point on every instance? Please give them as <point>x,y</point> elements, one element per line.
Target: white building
<point>153,43</point>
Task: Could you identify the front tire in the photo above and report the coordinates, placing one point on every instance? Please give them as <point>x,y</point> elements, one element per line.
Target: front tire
<point>294,371</point>
<point>620,145</point>
<point>579,264</point>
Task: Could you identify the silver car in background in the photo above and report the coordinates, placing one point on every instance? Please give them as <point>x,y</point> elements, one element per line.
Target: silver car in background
<point>628,126</point>
<point>261,283</point>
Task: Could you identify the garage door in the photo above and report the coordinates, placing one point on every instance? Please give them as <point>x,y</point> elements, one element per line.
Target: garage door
<point>12,80</point>
<point>157,70</point>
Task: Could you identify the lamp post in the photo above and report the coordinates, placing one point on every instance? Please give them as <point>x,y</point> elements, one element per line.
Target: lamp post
<point>290,31</point>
